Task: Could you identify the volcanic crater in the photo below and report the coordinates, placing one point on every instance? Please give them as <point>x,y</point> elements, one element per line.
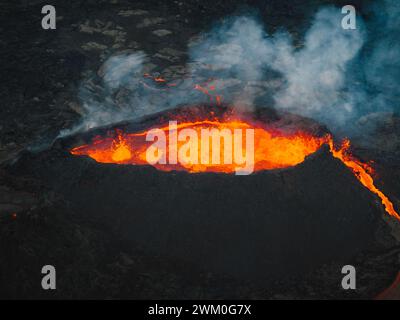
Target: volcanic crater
<point>262,227</point>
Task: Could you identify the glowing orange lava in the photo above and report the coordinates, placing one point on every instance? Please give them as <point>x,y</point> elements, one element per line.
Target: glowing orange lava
<point>363,173</point>
<point>272,150</point>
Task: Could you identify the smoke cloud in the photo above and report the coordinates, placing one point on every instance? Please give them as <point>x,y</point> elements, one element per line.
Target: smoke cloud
<point>317,84</point>
<point>335,76</point>
<point>381,65</point>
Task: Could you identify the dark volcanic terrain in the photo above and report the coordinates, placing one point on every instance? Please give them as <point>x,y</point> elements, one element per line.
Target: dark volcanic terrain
<point>110,230</point>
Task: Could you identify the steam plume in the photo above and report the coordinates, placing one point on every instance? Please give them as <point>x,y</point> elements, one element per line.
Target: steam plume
<point>336,76</point>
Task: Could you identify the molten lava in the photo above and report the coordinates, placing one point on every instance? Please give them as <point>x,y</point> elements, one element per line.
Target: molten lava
<point>363,173</point>
<point>272,150</point>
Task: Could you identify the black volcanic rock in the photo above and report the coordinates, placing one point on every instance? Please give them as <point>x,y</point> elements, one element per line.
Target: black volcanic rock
<point>261,227</point>
<point>110,238</point>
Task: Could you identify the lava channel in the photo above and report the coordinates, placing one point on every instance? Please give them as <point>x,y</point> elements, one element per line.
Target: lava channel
<point>272,150</point>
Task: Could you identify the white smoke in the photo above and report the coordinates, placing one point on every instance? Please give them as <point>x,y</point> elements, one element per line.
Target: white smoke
<point>239,49</point>
<point>327,77</point>
<point>382,64</point>
<point>316,74</point>
<point>120,70</point>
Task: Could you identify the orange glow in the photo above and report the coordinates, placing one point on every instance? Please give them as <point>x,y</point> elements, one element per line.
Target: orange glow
<point>156,79</point>
<point>363,173</point>
<point>206,89</point>
<point>391,293</point>
<point>121,152</point>
<point>272,150</point>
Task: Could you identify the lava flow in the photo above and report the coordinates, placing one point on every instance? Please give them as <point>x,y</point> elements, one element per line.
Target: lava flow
<point>363,173</point>
<point>272,150</point>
